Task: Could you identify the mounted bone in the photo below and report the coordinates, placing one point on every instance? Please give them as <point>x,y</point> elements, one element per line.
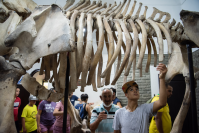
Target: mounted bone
<point>159,38</point>
<point>120,8</point>
<point>155,11</point>
<point>85,4</point>
<point>88,52</point>
<point>172,23</point>
<point>4,12</point>
<point>177,56</point>
<point>22,7</point>
<point>125,10</point>
<point>108,9</point>
<point>7,28</point>
<point>98,53</point>
<point>143,17</point>
<point>68,4</point>
<point>191,25</point>
<point>118,13</point>
<point>137,13</point>
<point>132,9</point>
<point>127,53</point>
<point>77,5</point>
<point>62,71</point>
<point>132,58</point>
<point>10,73</point>
<point>144,42</point>
<point>118,48</point>
<point>167,18</point>
<point>168,37</point>
<point>93,7</point>
<point>99,8</point>
<point>28,34</point>
<point>72,55</point>
<point>80,45</point>
<point>93,3</point>
<point>115,9</point>
<point>161,14</point>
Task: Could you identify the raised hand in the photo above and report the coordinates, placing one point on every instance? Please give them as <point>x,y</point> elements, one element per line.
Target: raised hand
<point>163,70</point>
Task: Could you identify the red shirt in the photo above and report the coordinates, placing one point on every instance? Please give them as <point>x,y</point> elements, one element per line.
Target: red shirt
<point>17,103</point>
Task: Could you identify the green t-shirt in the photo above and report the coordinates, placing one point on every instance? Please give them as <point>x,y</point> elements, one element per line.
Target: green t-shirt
<point>29,113</point>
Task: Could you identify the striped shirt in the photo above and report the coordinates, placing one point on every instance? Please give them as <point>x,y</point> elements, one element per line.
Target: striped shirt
<point>105,126</point>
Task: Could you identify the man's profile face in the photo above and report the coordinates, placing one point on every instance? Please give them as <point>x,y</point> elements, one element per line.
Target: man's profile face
<point>107,97</point>
<point>133,93</point>
<point>169,91</point>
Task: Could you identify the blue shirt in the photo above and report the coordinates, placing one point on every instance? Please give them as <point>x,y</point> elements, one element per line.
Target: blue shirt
<point>73,99</point>
<point>82,112</point>
<point>116,100</point>
<point>105,126</point>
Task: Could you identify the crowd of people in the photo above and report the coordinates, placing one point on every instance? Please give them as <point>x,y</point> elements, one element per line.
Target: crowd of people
<point>108,117</point>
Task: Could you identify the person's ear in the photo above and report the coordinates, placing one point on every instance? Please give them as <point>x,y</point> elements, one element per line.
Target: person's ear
<point>100,97</point>
<point>126,94</point>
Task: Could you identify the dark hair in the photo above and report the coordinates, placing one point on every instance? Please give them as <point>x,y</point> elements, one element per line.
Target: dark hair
<point>18,86</point>
<point>84,97</point>
<point>113,89</point>
<point>130,87</point>
<point>166,84</point>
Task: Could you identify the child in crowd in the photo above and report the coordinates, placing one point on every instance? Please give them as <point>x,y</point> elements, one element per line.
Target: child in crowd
<point>58,112</point>
<point>45,116</point>
<point>29,123</point>
<point>17,104</point>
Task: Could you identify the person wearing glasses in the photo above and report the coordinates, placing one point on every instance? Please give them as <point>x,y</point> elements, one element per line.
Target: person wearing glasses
<point>134,118</point>
<point>102,116</point>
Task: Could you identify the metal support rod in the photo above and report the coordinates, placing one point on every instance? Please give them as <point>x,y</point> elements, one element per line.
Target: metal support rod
<point>192,87</point>
<point>66,96</point>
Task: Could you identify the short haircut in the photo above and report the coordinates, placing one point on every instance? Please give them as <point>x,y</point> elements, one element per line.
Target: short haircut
<point>104,89</point>
<point>84,97</point>
<point>113,89</point>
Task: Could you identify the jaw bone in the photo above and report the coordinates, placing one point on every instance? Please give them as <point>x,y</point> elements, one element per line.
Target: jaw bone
<point>28,34</point>
<point>10,73</point>
<point>4,12</point>
<point>22,7</point>
<point>7,28</point>
<point>191,25</point>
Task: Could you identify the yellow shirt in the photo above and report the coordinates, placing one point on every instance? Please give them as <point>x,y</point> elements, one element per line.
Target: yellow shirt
<point>29,113</point>
<point>166,119</point>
